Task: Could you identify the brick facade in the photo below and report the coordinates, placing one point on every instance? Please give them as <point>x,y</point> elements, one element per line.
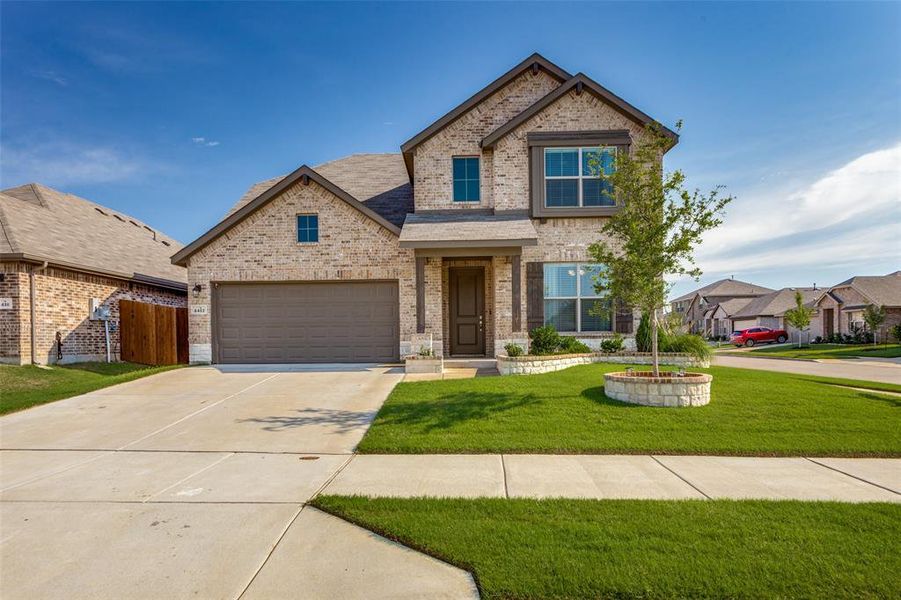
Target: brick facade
<point>62,303</point>
<point>262,247</point>
<point>842,317</point>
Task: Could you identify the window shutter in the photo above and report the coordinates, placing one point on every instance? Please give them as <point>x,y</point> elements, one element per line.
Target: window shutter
<point>534,295</point>
<point>623,318</point>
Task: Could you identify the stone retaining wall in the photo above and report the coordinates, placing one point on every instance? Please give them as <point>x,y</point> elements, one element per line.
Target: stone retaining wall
<point>691,390</point>
<point>531,365</point>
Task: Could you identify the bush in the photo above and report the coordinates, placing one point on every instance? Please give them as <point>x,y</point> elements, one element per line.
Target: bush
<point>513,350</point>
<point>571,345</point>
<point>643,335</point>
<point>611,345</point>
<point>687,343</point>
<point>896,332</point>
<point>818,339</point>
<point>545,340</point>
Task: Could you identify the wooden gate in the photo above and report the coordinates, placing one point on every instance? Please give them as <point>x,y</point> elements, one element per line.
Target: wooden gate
<point>152,334</point>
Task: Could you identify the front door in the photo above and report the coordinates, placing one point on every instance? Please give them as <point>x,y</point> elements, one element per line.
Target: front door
<point>467,310</point>
<point>828,324</point>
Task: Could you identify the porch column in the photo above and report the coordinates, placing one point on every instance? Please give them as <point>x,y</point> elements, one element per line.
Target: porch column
<point>516,300</point>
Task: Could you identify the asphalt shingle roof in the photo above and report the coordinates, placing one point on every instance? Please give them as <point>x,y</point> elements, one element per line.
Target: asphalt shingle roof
<point>727,287</point>
<point>776,303</point>
<point>884,290</point>
<point>379,181</point>
<point>42,222</point>
<point>459,227</point>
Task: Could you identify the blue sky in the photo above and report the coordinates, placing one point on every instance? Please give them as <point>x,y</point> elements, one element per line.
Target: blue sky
<point>169,111</point>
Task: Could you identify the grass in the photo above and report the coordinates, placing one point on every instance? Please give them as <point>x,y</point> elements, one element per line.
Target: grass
<point>751,413</point>
<point>28,385</point>
<point>531,549</point>
<point>832,351</point>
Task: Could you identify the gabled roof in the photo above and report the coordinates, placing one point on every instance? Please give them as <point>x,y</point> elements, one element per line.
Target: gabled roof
<point>726,287</point>
<point>38,223</point>
<point>776,303</point>
<point>882,290</point>
<point>733,306</point>
<point>304,174</point>
<point>580,82</point>
<point>535,62</point>
<point>379,181</point>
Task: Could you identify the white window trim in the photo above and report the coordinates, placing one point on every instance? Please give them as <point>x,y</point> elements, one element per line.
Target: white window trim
<point>578,298</point>
<point>579,177</point>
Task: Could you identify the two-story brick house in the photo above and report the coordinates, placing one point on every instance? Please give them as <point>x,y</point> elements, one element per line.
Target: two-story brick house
<point>475,233</point>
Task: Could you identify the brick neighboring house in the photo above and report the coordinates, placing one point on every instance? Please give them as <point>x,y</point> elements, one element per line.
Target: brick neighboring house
<point>58,253</point>
<point>769,311</point>
<point>697,308</point>
<point>842,305</point>
<point>475,233</point>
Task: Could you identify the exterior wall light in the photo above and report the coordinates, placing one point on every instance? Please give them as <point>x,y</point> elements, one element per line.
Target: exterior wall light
<point>197,288</point>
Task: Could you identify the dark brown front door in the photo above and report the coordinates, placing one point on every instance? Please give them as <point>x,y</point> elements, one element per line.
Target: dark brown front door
<point>467,310</point>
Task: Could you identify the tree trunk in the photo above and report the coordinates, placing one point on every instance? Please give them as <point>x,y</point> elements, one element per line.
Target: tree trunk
<point>654,348</point>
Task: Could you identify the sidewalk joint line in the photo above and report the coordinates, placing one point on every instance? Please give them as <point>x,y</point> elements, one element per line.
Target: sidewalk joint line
<point>888,489</point>
<point>271,551</point>
<point>332,478</point>
<point>60,471</point>
<point>181,481</point>
<point>693,486</point>
<point>504,468</point>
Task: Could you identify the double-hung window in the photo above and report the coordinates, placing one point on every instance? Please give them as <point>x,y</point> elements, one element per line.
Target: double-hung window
<point>307,229</point>
<point>572,177</point>
<point>571,303</point>
<point>466,178</point>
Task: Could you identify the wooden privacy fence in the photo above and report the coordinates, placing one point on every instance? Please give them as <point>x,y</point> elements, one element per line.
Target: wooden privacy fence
<point>151,334</point>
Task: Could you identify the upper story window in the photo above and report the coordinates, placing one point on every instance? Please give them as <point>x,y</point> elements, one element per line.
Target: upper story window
<point>571,303</point>
<point>572,177</point>
<point>466,179</point>
<point>307,229</point>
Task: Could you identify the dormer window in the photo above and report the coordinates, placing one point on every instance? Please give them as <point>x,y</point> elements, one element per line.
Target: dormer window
<point>572,177</point>
<point>466,178</point>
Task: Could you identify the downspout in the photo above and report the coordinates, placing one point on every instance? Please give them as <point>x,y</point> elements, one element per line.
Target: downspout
<point>32,306</point>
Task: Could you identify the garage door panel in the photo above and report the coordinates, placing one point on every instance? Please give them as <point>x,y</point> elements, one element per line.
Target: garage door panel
<point>307,322</point>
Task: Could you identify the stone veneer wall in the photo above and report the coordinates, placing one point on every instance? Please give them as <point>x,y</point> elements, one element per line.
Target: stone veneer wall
<point>433,179</point>
<point>263,247</point>
<point>533,365</point>
<point>691,390</point>
<point>62,305</point>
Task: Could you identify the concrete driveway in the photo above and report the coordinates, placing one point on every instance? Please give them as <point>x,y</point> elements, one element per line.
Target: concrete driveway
<point>192,483</point>
<point>882,370</point>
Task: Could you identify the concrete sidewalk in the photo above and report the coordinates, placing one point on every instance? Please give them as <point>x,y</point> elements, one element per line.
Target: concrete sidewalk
<point>885,370</point>
<point>630,476</point>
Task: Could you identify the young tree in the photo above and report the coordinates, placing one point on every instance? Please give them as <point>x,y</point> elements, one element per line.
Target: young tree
<point>799,316</point>
<point>655,233</point>
<point>874,317</point>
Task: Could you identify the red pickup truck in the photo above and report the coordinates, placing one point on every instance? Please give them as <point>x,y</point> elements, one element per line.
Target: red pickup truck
<point>758,335</point>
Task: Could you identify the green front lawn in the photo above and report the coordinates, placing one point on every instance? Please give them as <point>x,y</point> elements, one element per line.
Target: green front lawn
<point>752,412</point>
<point>832,351</point>
<point>29,385</point>
<point>531,549</point>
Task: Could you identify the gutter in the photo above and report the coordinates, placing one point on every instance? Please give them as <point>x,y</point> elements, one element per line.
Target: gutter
<point>132,277</point>
<point>32,303</point>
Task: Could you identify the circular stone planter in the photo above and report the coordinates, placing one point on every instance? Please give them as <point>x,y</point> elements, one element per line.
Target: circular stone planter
<point>641,387</point>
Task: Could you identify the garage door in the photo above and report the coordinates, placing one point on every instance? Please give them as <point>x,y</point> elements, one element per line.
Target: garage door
<point>307,322</point>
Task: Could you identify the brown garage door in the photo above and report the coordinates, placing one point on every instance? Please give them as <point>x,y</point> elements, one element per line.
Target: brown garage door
<point>307,322</point>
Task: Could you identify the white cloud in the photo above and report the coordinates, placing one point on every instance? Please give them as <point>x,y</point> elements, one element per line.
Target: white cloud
<point>64,163</point>
<point>847,217</point>
<point>202,141</point>
<point>52,76</point>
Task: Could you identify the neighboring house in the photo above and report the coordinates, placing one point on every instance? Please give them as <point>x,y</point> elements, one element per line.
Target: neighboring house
<point>475,233</point>
<point>841,306</point>
<point>769,311</point>
<point>61,255</point>
<point>697,307</point>
<point>718,320</point>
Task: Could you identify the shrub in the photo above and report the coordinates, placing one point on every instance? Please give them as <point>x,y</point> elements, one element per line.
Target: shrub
<point>611,345</point>
<point>896,332</point>
<point>545,340</point>
<point>643,335</point>
<point>818,339</point>
<point>687,343</point>
<point>571,345</point>
<point>513,350</point>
